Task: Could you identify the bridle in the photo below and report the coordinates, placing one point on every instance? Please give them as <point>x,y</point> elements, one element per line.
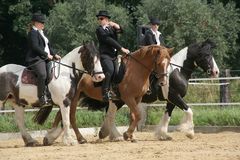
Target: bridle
<point>156,74</point>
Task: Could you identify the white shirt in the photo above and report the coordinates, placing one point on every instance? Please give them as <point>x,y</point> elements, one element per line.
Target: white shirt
<point>46,49</point>
<point>157,35</point>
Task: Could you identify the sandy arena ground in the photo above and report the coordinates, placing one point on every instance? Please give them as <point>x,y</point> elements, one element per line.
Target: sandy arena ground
<point>220,146</point>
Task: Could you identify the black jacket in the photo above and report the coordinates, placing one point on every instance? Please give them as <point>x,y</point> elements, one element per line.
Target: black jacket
<point>150,38</point>
<point>108,43</point>
<point>36,47</point>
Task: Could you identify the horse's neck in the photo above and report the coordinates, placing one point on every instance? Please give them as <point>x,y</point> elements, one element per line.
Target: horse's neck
<point>72,57</point>
<point>179,61</point>
<point>141,66</point>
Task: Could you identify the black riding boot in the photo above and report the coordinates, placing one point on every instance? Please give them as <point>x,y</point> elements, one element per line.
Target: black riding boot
<point>42,94</point>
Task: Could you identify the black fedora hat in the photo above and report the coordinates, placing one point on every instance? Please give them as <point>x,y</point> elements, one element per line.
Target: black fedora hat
<point>103,13</point>
<point>38,17</point>
<point>154,21</point>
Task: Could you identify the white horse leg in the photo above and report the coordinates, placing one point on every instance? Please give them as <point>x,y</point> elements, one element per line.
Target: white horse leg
<point>162,129</point>
<point>186,124</point>
<point>143,107</point>
<point>115,135</point>
<point>19,117</point>
<point>109,121</point>
<point>67,137</point>
<point>52,135</point>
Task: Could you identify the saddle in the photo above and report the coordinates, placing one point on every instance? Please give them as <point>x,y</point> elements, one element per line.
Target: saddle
<point>30,77</point>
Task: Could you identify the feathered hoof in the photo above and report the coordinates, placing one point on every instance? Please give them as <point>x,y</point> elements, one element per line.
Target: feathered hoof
<point>69,141</point>
<point>125,136</point>
<point>33,143</point>
<point>82,141</point>
<point>99,141</point>
<point>165,138</point>
<point>102,134</point>
<point>190,135</point>
<point>116,139</point>
<point>46,142</point>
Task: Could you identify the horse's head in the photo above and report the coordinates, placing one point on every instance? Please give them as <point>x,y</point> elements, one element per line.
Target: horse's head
<point>205,59</point>
<point>91,61</point>
<point>161,63</point>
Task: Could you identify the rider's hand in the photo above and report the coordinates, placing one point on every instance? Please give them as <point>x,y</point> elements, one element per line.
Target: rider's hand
<point>114,25</point>
<point>57,57</point>
<point>124,50</point>
<point>50,57</point>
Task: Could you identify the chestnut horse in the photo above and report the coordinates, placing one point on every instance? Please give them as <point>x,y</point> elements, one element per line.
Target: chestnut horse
<point>139,65</point>
<point>181,67</point>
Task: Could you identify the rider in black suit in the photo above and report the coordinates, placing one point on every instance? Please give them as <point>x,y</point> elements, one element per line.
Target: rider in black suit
<point>108,46</point>
<point>39,55</point>
<point>153,36</point>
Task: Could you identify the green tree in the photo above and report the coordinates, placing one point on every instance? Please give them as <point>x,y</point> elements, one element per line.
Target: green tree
<point>186,21</point>
<point>73,22</point>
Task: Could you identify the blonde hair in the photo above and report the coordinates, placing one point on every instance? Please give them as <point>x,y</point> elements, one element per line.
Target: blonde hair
<point>30,25</point>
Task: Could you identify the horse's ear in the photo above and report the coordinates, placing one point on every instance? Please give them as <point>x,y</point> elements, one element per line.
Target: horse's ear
<point>170,51</point>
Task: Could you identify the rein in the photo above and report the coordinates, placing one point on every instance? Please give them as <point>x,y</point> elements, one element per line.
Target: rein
<point>157,75</point>
<point>81,71</point>
<point>187,69</point>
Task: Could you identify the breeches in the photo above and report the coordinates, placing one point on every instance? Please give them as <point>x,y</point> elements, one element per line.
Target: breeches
<point>41,70</point>
<point>108,69</point>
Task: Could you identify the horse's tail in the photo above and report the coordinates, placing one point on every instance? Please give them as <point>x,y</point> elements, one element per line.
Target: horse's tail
<point>92,104</point>
<point>42,115</point>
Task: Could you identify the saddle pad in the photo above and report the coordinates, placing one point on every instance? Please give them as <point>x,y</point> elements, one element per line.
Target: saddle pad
<point>28,77</point>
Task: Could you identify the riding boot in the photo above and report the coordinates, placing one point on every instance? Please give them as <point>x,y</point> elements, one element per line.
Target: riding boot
<point>48,95</point>
<point>41,94</point>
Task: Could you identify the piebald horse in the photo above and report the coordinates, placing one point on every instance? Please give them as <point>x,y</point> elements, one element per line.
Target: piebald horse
<point>139,65</point>
<point>83,59</point>
<point>181,67</point>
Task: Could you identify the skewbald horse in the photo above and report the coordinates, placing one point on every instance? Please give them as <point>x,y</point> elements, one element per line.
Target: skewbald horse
<point>62,87</point>
<point>139,65</point>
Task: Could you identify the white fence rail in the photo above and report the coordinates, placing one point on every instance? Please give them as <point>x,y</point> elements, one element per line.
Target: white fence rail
<point>195,81</point>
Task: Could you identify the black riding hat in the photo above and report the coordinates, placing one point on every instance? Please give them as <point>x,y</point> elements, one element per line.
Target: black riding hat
<point>103,13</point>
<point>38,17</point>
<point>154,21</point>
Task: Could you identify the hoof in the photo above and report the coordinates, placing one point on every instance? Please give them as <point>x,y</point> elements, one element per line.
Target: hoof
<point>125,136</point>
<point>133,140</point>
<point>46,142</point>
<point>116,139</point>
<point>165,138</point>
<point>82,141</point>
<point>99,140</point>
<point>32,144</point>
<point>190,135</point>
<point>102,134</point>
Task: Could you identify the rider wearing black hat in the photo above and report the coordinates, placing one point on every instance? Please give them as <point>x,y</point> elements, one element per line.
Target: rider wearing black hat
<point>108,46</point>
<point>39,55</point>
<point>153,36</point>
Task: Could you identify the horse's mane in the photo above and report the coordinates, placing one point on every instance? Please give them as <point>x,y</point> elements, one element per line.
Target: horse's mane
<point>146,50</point>
<point>201,47</point>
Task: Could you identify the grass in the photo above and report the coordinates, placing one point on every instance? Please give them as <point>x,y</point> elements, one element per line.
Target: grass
<point>203,116</point>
